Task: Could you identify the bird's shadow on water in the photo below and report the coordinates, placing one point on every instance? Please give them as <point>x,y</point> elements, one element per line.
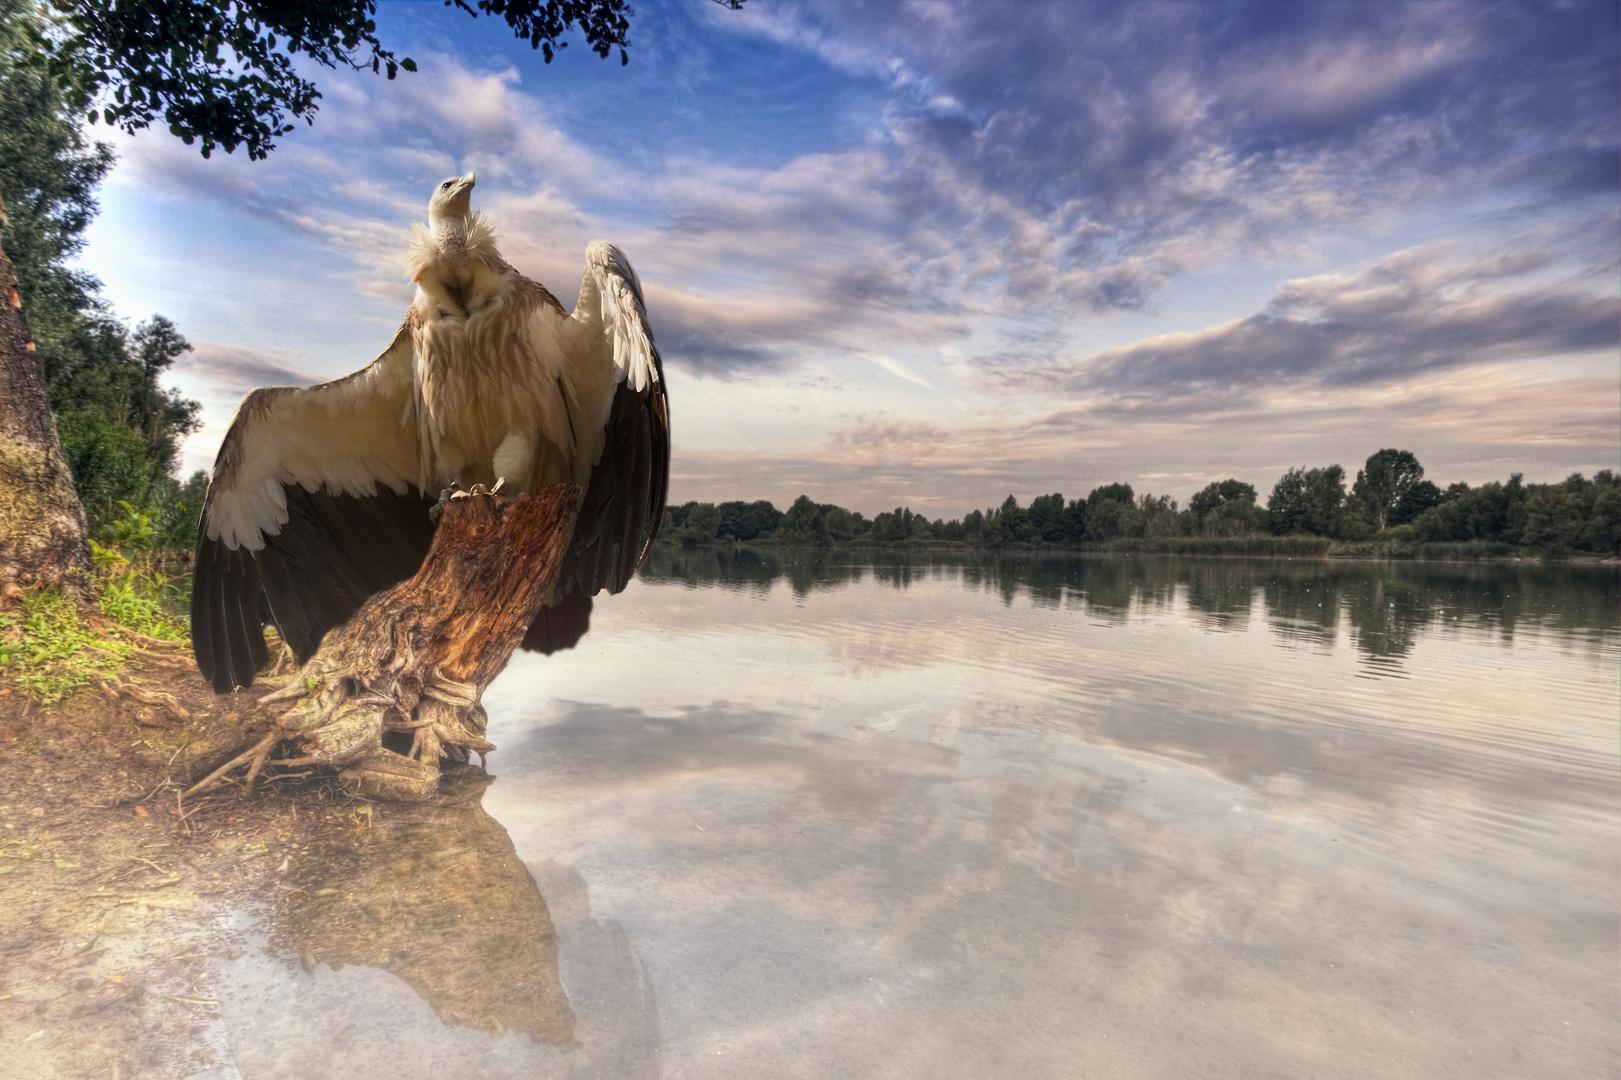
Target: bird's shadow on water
<point>436,895</point>
<point>411,940</point>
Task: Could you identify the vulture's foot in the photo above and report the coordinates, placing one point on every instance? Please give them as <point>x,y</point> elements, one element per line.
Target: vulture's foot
<point>456,491</point>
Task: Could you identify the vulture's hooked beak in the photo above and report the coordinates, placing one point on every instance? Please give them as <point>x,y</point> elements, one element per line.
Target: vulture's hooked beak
<point>451,202</point>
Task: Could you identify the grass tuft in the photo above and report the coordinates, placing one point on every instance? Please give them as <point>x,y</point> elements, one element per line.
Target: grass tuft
<point>50,652</point>
<point>54,647</point>
<point>145,602</point>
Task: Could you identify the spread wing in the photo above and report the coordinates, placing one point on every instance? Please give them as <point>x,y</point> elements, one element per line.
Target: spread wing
<point>312,507</point>
<point>624,498</point>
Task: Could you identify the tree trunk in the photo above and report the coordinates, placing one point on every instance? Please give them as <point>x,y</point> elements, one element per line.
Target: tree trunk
<point>413,662</point>
<point>42,524</point>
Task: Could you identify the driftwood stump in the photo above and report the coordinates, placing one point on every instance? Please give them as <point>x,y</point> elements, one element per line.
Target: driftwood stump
<point>416,658</point>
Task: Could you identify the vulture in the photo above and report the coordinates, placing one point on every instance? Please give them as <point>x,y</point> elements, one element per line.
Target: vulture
<point>320,496</point>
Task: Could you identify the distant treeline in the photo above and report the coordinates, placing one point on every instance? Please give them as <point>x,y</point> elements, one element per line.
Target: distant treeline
<point>1389,509</point>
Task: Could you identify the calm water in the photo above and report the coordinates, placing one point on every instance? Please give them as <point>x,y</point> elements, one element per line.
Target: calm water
<point>1025,818</point>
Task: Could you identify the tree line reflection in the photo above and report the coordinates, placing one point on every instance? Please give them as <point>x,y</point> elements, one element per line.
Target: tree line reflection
<point>1385,606</point>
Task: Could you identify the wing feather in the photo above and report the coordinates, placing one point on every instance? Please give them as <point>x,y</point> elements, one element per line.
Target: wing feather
<point>348,436</point>
<point>204,609</point>
<point>312,507</point>
<point>560,626</point>
<point>243,629</point>
<point>290,617</point>
<point>623,504</point>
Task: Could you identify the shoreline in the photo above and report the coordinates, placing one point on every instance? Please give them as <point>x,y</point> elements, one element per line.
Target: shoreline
<point>1330,551</point>
<point>115,893</point>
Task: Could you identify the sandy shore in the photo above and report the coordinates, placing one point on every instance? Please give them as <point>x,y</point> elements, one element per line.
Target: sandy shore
<point>114,892</point>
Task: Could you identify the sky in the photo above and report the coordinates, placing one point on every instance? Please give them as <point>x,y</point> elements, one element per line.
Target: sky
<point>932,254</point>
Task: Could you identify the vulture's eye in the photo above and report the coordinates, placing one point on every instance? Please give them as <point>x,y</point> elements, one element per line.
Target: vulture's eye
<point>444,185</point>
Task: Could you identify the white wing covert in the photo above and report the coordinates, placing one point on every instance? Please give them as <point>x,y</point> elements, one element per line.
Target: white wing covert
<point>312,506</point>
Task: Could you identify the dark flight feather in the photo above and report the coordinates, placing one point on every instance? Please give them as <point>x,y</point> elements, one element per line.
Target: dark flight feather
<point>334,551</point>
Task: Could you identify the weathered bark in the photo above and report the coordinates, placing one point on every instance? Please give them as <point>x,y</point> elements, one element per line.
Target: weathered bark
<point>42,524</point>
<point>416,658</point>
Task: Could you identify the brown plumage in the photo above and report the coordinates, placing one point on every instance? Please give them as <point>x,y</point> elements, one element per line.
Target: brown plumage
<point>320,496</point>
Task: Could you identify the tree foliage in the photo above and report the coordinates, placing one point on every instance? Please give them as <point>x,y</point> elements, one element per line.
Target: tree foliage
<point>1010,524</point>
<point>1576,516</point>
<point>1225,508</point>
<point>120,430</point>
<point>1309,501</point>
<point>1385,482</point>
<point>222,73</point>
<point>804,524</point>
<point>1111,512</point>
<point>1158,517</point>
<point>1046,517</point>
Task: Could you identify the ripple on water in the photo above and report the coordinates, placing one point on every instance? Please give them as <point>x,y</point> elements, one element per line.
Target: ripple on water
<point>786,815</point>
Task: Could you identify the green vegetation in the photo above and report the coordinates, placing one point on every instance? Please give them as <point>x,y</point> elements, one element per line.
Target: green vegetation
<point>50,652</point>
<point>135,591</point>
<point>53,647</point>
<point>120,429</point>
<point>1390,511</point>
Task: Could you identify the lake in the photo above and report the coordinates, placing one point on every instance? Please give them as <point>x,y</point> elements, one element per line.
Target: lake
<point>855,815</point>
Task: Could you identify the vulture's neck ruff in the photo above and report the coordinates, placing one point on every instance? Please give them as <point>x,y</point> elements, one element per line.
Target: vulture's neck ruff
<point>458,261</point>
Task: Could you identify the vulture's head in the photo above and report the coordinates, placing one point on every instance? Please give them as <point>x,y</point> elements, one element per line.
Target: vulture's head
<point>451,202</point>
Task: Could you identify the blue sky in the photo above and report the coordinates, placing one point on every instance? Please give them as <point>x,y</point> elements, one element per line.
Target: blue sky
<point>932,254</point>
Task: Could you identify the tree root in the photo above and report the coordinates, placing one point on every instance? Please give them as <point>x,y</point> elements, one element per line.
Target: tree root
<point>153,697</point>
<point>285,663</point>
<point>217,777</point>
<point>416,658</point>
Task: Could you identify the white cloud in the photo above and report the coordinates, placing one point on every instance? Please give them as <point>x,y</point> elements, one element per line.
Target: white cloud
<point>1035,169</point>
<point>898,369</point>
<point>1450,305</point>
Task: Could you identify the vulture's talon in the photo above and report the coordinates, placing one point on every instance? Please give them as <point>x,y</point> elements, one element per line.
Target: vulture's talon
<point>474,492</point>
<point>454,491</point>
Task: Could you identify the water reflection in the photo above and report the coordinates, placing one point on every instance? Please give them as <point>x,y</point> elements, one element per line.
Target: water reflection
<point>838,815</point>
<point>409,941</point>
<point>1385,606</point>
<point>435,895</point>
<point>959,817</point>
